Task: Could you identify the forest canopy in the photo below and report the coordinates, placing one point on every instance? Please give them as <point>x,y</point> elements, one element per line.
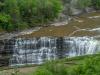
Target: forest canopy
<point>21,14</point>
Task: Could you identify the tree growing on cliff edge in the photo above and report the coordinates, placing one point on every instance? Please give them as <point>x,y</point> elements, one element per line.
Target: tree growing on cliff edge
<point>84,3</point>
<point>96,4</point>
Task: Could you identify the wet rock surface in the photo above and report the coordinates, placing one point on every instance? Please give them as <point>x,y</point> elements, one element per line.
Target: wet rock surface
<point>6,51</point>
<point>38,50</point>
<point>34,46</point>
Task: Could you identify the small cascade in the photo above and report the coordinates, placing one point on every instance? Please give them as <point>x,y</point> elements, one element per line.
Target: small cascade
<point>80,46</point>
<point>33,50</point>
<point>38,50</point>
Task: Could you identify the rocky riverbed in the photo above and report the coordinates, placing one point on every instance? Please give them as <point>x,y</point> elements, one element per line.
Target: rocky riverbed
<point>83,25</point>
<point>5,35</point>
<point>82,32</point>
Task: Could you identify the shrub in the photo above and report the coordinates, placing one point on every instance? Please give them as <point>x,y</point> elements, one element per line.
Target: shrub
<point>84,3</point>
<point>22,26</point>
<point>87,66</point>
<point>42,72</point>
<point>5,21</point>
<point>51,68</point>
<point>96,4</point>
<point>31,12</point>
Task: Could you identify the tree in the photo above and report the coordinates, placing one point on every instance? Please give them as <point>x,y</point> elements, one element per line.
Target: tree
<point>11,8</point>
<point>1,5</point>
<point>25,13</point>
<point>4,22</point>
<point>96,4</point>
<point>84,3</point>
<point>39,11</point>
<point>47,10</point>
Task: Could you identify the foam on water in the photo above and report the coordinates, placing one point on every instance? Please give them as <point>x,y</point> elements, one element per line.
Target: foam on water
<point>38,50</point>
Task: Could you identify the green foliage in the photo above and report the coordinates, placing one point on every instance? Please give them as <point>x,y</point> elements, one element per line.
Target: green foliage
<point>84,3</point>
<point>90,65</point>
<point>96,4</point>
<point>4,17</point>
<point>30,12</point>
<point>5,21</point>
<point>39,11</point>
<point>11,8</point>
<point>51,68</point>
<point>88,3</point>
<point>22,26</point>
<point>43,72</point>
<point>1,6</point>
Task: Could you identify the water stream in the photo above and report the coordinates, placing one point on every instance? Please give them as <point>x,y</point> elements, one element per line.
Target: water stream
<point>39,50</point>
<point>33,48</point>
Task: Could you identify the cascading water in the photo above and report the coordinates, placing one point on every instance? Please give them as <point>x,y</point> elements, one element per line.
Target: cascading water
<point>81,46</point>
<point>33,51</point>
<point>38,50</point>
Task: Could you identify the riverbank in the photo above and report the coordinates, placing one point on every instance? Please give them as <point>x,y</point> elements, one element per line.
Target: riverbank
<point>79,26</point>
<point>5,35</point>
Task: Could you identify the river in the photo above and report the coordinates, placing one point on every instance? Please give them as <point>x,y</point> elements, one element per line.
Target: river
<point>39,50</point>
<point>81,36</point>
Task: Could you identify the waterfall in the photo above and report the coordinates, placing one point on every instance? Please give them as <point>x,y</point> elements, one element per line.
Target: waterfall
<point>33,50</point>
<point>39,50</point>
<point>81,46</point>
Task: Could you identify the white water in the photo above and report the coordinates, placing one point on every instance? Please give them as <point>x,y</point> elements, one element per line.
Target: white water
<point>38,50</point>
<point>33,51</point>
<point>81,46</point>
